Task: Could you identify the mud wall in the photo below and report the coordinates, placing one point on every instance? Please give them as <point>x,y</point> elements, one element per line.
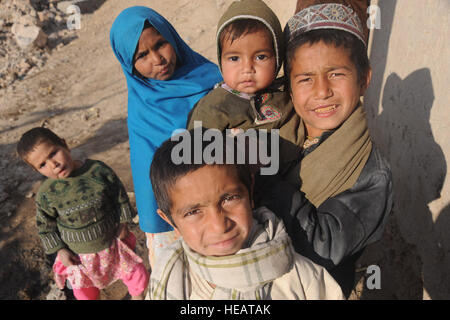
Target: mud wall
<point>408,111</point>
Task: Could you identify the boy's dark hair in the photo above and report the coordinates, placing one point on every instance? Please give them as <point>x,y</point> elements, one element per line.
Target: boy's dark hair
<point>164,173</point>
<point>238,28</point>
<point>338,38</point>
<point>35,136</point>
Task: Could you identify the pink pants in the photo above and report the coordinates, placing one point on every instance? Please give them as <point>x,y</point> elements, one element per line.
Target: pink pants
<point>136,283</point>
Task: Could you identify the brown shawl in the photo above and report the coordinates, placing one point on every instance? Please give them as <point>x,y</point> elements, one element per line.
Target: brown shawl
<point>335,165</point>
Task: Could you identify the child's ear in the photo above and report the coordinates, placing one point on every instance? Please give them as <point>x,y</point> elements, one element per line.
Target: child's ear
<point>166,219</point>
<point>365,82</point>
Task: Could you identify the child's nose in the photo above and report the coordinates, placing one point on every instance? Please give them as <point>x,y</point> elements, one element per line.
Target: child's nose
<point>323,88</point>
<point>218,222</point>
<point>54,164</point>
<point>248,65</point>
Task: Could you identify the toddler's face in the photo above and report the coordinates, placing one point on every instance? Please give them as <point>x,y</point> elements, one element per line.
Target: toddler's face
<point>211,210</point>
<point>155,57</point>
<point>324,86</point>
<point>249,63</point>
<point>50,160</point>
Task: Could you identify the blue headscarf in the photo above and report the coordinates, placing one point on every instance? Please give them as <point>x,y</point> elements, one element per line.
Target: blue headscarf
<point>156,108</point>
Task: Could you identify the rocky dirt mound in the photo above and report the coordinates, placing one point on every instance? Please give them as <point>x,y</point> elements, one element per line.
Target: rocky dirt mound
<point>31,29</point>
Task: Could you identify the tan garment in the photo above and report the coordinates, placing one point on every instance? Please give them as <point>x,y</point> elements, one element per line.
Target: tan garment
<point>315,281</point>
<point>335,165</point>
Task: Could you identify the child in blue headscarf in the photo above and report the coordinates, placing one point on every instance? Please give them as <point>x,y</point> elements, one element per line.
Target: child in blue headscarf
<point>165,80</point>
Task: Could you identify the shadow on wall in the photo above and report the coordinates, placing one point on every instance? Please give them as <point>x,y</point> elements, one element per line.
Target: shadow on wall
<point>441,227</point>
<point>403,133</point>
<point>419,170</point>
<point>414,252</point>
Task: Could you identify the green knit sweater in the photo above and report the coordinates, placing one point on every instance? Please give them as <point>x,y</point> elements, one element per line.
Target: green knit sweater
<point>82,212</point>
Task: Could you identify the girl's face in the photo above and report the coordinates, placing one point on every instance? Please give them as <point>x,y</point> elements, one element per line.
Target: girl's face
<point>155,58</point>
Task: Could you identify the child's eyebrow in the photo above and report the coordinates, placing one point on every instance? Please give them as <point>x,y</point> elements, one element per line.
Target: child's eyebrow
<point>238,189</point>
<point>188,208</point>
<point>227,53</point>
<point>265,51</point>
<point>302,74</point>
<point>329,69</point>
<point>47,156</point>
<point>191,207</point>
<point>334,68</point>
<point>238,52</point>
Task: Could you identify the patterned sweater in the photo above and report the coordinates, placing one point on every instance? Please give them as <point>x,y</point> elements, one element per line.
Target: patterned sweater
<point>82,212</point>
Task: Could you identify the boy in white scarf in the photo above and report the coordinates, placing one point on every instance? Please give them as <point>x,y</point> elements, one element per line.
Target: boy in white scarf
<point>226,250</point>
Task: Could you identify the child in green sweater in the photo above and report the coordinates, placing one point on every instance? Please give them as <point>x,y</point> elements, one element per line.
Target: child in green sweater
<point>82,215</point>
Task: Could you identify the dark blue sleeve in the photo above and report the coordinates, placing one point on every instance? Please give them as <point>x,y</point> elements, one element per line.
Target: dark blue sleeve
<point>341,226</point>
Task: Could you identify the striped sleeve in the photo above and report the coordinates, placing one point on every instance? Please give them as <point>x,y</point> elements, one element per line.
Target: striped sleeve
<point>47,229</point>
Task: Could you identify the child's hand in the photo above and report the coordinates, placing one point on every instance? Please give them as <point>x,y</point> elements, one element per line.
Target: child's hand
<point>122,232</point>
<point>68,258</point>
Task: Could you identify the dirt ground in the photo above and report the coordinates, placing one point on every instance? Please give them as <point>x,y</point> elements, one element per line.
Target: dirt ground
<point>81,94</point>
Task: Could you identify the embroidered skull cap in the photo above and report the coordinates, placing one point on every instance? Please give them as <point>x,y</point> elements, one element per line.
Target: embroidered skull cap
<point>324,16</point>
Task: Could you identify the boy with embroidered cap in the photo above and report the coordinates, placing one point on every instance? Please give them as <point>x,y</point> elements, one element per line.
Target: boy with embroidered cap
<point>338,193</point>
<point>226,250</point>
<point>250,53</point>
